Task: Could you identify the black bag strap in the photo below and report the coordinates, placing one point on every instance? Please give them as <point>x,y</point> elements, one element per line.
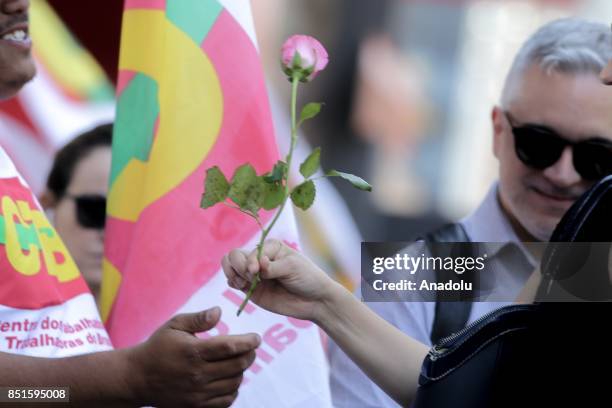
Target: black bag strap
<point>449,317</point>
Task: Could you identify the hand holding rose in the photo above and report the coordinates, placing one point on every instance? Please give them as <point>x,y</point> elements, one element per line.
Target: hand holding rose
<point>290,283</point>
<point>302,58</point>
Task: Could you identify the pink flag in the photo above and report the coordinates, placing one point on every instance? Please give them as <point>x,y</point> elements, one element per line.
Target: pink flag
<point>191,95</point>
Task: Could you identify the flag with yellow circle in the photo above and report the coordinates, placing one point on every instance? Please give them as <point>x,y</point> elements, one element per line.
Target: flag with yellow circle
<point>191,95</point>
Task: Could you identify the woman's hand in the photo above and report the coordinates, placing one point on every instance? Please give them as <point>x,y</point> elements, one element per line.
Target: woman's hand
<point>293,286</point>
<point>290,285</point>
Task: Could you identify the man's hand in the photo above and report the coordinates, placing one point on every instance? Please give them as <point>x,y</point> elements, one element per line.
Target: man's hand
<point>175,368</point>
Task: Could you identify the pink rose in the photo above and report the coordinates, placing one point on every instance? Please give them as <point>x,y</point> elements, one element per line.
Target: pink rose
<point>304,55</point>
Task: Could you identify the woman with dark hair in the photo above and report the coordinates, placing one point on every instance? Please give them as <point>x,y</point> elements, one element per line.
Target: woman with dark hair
<point>75,199</point>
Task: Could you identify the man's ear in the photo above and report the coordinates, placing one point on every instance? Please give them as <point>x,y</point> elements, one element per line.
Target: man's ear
<point>497,119</point>
<point>48,199</point>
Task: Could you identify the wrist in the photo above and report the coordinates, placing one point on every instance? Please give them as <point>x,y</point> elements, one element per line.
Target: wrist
<point>95,379</point>
<point>329,304</point>
<point>133,376</point>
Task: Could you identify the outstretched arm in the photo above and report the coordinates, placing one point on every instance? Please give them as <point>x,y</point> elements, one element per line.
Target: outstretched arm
<point>293,286</point>
<point>172,368</point>
<point>389,357</point>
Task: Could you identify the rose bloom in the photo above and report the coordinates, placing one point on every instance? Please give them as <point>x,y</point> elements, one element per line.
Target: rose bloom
<point>312,57</point>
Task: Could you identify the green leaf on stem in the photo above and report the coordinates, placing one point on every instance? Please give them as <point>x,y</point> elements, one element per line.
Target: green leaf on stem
<point>278,173</point>
<point>309,111</point>
<point>247,189</point>
<point>216,187</point>
<point>303,195</point>
<point>274,196</point>
<point>356,181</point>
<point>311,164</point>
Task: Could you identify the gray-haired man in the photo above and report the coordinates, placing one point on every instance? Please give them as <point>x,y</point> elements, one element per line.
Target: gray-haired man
<point>552,135</point>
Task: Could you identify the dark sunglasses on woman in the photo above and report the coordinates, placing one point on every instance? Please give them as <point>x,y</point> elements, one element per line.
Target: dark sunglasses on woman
<point>540,147</point>
<point>90,210</point>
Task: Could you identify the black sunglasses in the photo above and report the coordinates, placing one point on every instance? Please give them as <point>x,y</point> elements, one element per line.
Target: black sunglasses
<point>540,147</point>
<point>90,210</point>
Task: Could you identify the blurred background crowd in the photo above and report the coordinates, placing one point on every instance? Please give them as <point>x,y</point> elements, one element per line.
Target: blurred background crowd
<point>408,95</point>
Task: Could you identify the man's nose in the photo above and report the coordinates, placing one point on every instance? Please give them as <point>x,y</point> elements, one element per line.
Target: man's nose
<point>14,6</point>
<point>563,173</point>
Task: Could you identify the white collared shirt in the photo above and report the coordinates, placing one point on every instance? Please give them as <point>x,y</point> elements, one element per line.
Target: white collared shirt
<point>513,264</point>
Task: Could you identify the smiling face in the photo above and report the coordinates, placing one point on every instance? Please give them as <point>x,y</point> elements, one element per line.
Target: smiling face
<point>16,62</point>
<point>575,106</point>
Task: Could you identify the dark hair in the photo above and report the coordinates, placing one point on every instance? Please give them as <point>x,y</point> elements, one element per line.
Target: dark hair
<point>72,153</point>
